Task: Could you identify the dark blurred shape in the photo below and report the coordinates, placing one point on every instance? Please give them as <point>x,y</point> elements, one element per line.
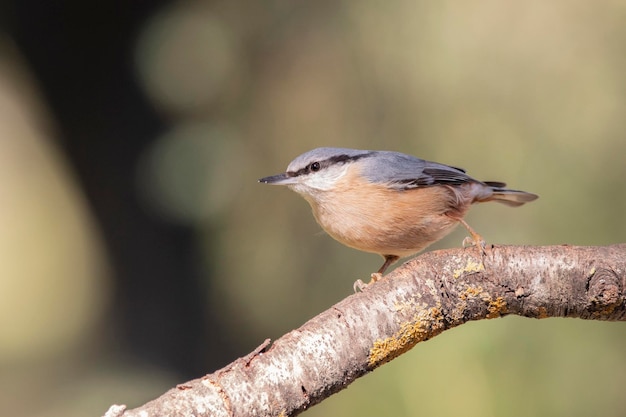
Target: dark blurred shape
<point>81,55</point>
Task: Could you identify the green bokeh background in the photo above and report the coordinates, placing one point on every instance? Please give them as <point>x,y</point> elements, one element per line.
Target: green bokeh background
<point>531,93</point>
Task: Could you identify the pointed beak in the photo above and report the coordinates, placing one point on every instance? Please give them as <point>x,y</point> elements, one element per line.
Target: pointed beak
<point>279,179</point>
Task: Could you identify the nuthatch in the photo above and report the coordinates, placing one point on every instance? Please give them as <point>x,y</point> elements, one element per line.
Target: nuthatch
<point>387,202</point>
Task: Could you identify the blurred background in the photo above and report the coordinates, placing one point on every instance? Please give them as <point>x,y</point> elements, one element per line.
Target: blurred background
<point>137,249</point>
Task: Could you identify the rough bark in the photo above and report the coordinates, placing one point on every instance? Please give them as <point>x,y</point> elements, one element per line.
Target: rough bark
<point>426,296</point>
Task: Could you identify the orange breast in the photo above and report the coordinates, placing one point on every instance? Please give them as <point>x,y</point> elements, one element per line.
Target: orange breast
<point>373,218</point>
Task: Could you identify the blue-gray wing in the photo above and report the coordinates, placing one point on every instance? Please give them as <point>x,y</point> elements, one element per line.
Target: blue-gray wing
<point>403,171</point>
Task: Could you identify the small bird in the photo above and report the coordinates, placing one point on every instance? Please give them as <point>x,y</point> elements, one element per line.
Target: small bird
<point>388,203</point>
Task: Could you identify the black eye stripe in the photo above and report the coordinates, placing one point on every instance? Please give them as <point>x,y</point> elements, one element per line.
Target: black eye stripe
<point>318,165</point>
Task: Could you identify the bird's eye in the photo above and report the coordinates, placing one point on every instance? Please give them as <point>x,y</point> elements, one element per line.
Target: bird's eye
<point>315,166</point>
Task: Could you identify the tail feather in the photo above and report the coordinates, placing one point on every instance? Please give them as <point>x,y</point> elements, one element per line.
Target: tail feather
<point>512,198</point>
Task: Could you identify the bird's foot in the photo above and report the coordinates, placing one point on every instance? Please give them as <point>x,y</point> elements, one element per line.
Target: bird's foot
<point>360,286</point>
<point>375,277</point>
<point>471,241</point>
<point>474,239</point>
<point>478,243</point>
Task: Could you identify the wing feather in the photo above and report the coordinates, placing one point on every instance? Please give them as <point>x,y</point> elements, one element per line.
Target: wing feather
<point>403,171</point>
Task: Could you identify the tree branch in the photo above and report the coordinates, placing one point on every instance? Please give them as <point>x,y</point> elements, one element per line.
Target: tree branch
<point>419,300</point>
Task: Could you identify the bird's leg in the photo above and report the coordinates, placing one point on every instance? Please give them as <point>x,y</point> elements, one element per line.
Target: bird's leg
<point>360,285</point>
<point>475,239</point>
<point>389,259</point>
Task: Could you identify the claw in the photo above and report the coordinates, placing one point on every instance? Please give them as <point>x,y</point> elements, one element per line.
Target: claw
<point>375,277</point>
<point>475,239</point>
<point>467,242</point>
<point>359,285</point>
<point>480,245</point>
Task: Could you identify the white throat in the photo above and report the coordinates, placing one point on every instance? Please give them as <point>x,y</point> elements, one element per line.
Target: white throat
<point>323,180</point>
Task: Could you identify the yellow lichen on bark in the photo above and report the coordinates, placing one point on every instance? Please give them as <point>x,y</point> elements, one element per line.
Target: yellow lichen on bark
<point>471,267</point>
<point>427,324</point>
<point>496,308</point>
<point>471,292</point>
